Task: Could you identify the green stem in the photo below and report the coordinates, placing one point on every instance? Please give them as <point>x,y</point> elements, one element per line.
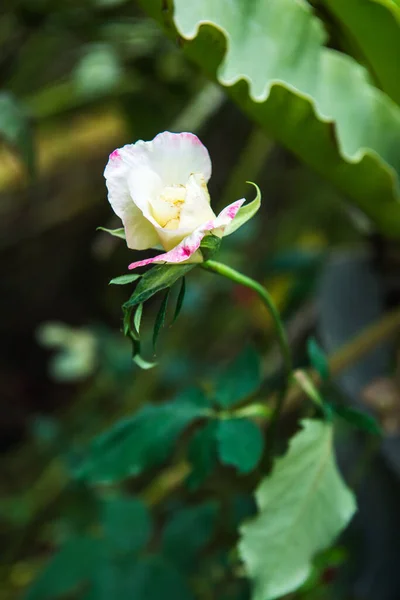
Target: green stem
<point>233,275</point>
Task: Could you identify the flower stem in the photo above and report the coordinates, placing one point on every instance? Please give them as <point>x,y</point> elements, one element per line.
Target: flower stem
<point>233,275</point>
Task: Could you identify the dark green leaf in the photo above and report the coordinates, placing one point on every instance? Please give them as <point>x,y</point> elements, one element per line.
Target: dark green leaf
<point>15,129</point>
<point>202,454</point>
<point>180,300</point>
<point>160,319</point>
<point>124,279</point>
<point>358,418</point>
<point>240,444</point>
<point>127,524</point>
<point>318,358</point>
<point>156,279</point>
<point>209,246</point>
<point>187,532</point>
<point>73,564</point>
<point>149,578</point>
<point>239,380</point>
<point>142,441</point>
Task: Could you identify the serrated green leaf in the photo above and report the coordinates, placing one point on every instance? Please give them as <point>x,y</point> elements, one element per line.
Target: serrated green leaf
<point>119,233</point>
<point>160,319</point>
<point>245,213</point>
<point>374,26</point>
<point>239,380</point>
<point>142,441</point>
<point>15,129</point>
<point>240,444</point>
<point>127,524</point>
<point>209,246</point>
<point>202,454</point>
<point>124,279</point>
<point>156,279</point>
<point>187,532</point>
<point>73,564</point>
<point>302,506</point>
<point>358,418</point>
<point>180,300</point>
<point>318,358</point>
<point>321,106</point>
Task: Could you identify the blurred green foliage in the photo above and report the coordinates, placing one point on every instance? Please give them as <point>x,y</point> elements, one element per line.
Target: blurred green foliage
<point>109,488</point>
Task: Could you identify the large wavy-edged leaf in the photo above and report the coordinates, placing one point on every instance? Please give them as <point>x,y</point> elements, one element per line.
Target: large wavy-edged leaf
<point>316,101</point>
<point>303,505</point>
<point>374,27</point>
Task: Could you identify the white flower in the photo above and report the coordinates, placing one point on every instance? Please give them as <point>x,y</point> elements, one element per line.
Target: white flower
<point>159,190</point>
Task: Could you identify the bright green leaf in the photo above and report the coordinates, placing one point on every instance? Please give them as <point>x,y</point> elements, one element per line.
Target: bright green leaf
<point>127,524</point>
<point>374,27</point>
<point>239,380</point>
<point>245,212</point>
<point>318,358</point>
<point>303,505</point>
<point>240,444</point>
<point>124,279</point>
<point>142,441</point>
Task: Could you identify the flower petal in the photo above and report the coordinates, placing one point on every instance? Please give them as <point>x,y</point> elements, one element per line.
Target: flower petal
<point>186,251</point>
<point>172,156</point>
<point>175,156</point>
<point>196,209</point>
<point>140,233</point>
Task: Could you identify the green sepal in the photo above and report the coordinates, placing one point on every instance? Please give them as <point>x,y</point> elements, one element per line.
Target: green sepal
<point>156,279</point>
<point>180,300</point>
<point>137,319</point>
<point>160,318</point>
<point>119,233</point>
<point>245,213</point>
<point>209,246</point>
<point>124,279</point>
